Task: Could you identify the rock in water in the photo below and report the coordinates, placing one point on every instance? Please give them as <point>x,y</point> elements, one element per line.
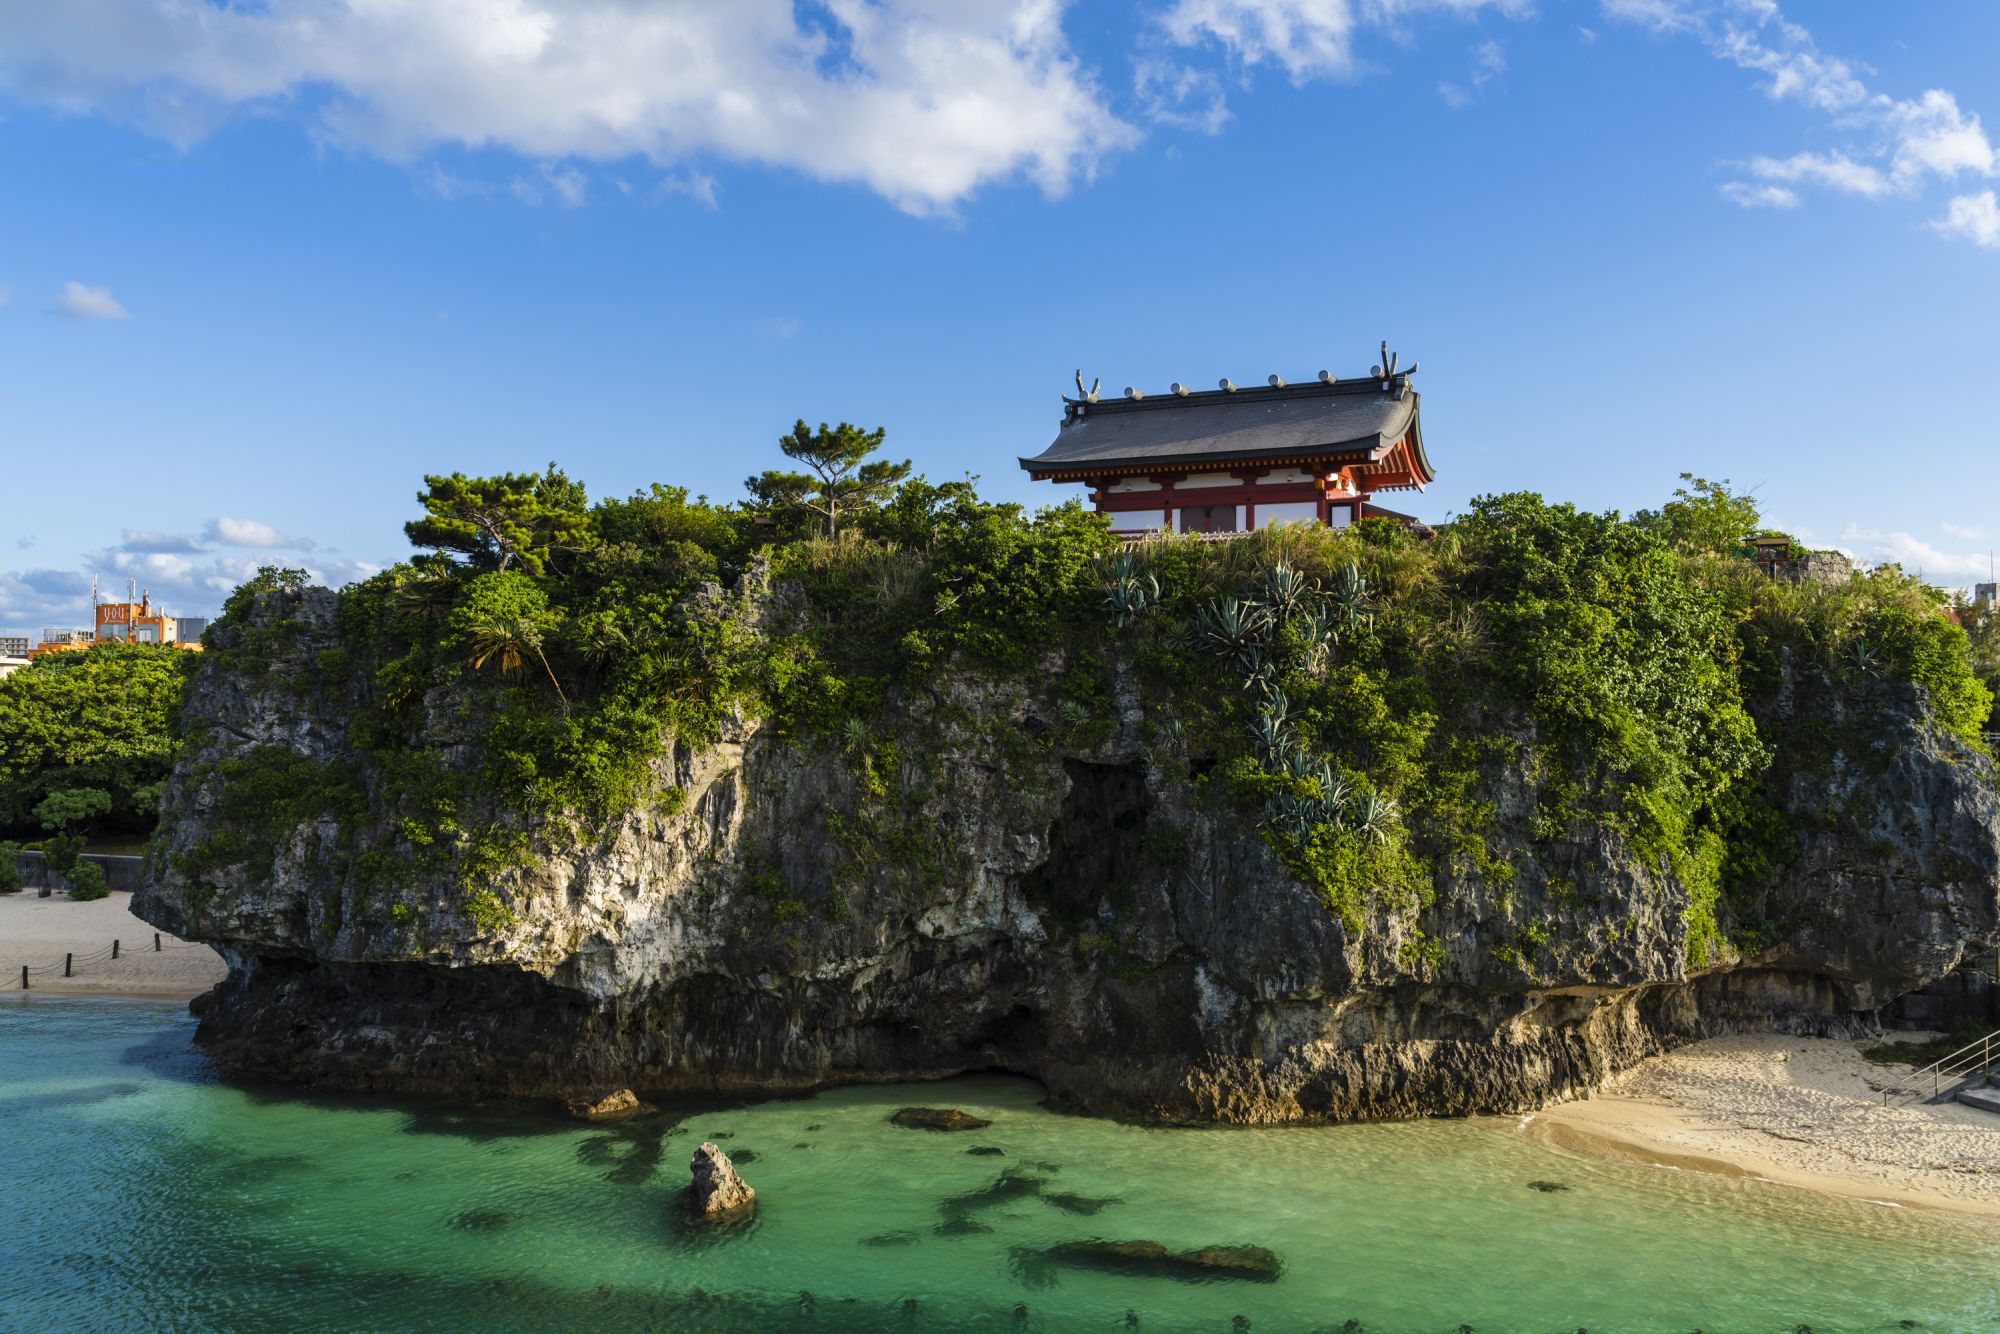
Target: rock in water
<point>717,1190</point>
<point>601,1106</point>
<point>1150,1258</point>
<point>938,1118</point>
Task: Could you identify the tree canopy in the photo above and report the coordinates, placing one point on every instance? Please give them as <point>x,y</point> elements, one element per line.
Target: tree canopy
<point>99,720</point>
<point>1704,517</point>
<point>497,522</point>
<point>843,477</point>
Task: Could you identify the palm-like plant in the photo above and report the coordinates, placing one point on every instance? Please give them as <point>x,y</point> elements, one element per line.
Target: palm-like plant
<point>507,642</point>
<point>427,594</point>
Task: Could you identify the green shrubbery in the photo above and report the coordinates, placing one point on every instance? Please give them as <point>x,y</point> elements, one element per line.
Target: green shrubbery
<point>1353,693</point>
<point>100,721</point>
<point>86,881</point>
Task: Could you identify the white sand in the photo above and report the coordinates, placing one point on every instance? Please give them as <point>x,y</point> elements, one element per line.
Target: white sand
<point>1804,1111</point>
<point>38,932</point>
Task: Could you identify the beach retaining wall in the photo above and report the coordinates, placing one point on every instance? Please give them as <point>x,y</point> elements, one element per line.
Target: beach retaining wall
<point>122,873</point>
<point>1965,996</point>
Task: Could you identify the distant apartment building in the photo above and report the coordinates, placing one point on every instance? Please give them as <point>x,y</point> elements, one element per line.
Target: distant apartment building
<point>1984,595</point>
<point>13,646</point>
<point>189,629</point>
<point>123,623</point>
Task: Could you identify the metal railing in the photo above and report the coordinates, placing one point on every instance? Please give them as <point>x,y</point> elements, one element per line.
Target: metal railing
<point>1955,1069</point>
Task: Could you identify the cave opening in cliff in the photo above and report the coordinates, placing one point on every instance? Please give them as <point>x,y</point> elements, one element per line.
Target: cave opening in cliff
<point>1096,843</point>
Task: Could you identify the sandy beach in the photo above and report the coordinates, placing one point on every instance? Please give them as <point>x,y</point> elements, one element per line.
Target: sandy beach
<point>1803,1111</point>
<point>37,932</point>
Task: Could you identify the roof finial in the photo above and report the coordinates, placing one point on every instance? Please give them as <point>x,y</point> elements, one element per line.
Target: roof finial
<point>1088,395</point>
<point>1387,371</point>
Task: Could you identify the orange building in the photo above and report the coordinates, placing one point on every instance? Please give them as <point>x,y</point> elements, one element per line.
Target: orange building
<point>123,623</point>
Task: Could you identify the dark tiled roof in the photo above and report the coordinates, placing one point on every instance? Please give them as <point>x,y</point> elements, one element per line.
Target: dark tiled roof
<point>1220,425</point>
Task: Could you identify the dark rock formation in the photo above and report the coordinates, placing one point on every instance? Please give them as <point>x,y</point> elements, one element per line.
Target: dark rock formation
<point>938,1118</point>
<point>717,1189</point>
<point>1152,1258</point>
<point>1083,911</point>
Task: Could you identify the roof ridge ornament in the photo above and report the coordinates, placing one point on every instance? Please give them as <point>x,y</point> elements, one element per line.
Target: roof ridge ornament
<point>1088,395</point>
<point>1386,370</point>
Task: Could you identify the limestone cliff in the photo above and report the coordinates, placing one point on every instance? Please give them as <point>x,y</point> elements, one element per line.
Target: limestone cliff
<point>972,887</point>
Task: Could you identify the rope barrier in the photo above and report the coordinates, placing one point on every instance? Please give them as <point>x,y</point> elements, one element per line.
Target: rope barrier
<point>117,951</point>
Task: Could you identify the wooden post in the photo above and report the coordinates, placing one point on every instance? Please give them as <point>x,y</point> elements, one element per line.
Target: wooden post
<point>114,949</point>
<point>24,977</point>
<point>156,942</point>
<point>67,960</point>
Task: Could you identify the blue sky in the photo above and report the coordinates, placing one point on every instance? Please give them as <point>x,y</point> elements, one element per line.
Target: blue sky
<point>267,264</point>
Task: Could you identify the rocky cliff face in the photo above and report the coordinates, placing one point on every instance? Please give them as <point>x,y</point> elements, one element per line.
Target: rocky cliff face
<point>968,888</point>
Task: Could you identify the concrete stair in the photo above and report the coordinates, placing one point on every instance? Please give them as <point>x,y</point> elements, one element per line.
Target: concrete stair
<point>1982,1094</point>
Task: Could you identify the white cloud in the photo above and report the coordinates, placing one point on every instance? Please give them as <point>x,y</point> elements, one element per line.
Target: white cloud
<point>1916,556</point>
<point>694,184</point>
<point>1965,533</point>
<point>922,101</point>
<point>188,587</point>
<point>252,533</point>
<point>1833,170</point>
<point>567,185</point>
<point>186,575</point>
<point>1974,218</point>
<point>1899,146</point>
<point>1180,95</point>
<point>1759,196</point>
<point>1309,38</point>
<point>448,185</point>
<point>1659,15</point>
<point>6,297</point>
<point>779,326</point>
<point>80,302</point>
<point>33,599</point>
<point>147,540</point>
<point>1489,62</point>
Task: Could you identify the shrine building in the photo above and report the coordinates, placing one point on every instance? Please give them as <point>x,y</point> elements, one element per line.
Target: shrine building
<point>1236,458</point>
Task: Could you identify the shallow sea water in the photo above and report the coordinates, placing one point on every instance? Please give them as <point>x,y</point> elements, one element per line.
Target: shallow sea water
<point>143,1193</point>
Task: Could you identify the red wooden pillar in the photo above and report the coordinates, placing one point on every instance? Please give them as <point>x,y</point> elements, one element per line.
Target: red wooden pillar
<point>1249,480</point>
<point>1166,482</point>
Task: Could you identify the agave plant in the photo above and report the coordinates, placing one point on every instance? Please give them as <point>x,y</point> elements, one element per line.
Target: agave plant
<point>1334,792</point>
<point>1291,815</point>
<point>1270,735</point>
<point>1286,591</point>
<point>1260,674</point>
<point>1863,659</point>
<point>1378,813</point>
<point>1276,707</point>
<point>1128,597</point>
<point>1349,600</point>
<point>1236,629</point>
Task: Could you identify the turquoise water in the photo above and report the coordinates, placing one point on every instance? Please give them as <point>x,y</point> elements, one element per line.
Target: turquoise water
<point>142,1193</point>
